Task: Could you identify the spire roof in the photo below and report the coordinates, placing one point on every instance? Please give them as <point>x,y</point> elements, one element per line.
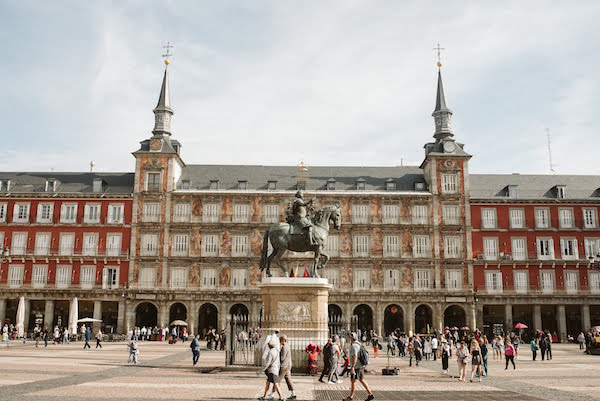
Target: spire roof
<point>440,101</point>
<point>164,100</point>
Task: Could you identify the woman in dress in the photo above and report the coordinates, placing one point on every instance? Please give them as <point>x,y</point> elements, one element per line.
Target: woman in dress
<point>445,355</point>
<point>475,359</point>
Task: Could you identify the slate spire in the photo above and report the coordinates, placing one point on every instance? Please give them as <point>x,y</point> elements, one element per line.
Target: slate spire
<point>442,114</point>
<point>163,110</point>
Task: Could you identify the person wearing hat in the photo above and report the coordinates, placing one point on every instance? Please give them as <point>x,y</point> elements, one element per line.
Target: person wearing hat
<point>445,355</point>
<point>357,370</point>
<point>271,369</point>
<point>274,337</point>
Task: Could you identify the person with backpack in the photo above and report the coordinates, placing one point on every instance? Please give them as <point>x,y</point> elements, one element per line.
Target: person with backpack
<point>359,358</point>
<point>195,346</point>
<point>509,353</point>
<point>326,360</point>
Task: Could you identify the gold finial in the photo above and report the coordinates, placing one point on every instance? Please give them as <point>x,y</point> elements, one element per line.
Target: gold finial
<point>439,54</point>
<point>167,53</point>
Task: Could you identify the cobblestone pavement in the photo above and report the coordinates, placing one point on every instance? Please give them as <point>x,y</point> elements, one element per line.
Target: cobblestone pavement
<point>67,372</point>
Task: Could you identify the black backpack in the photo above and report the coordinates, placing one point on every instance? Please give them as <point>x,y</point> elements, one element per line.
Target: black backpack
<point>327,351</point>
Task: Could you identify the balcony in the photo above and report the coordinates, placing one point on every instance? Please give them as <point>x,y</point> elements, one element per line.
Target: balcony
<point>535,290</point>
<point>35,252</point>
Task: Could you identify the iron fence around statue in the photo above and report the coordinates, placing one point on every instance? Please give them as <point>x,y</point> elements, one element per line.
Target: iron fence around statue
<point>246,338</point>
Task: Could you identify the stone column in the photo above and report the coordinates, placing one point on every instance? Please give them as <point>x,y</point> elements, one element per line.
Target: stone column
<point>479,315</point>
<point>129,316</point>
<point>97,315</point>
<point>410,316</point>
<point>586,323</point>
<point>193,319</point>
<point>348,315</point>
<point>223,313</point>
<point>472,317</point>
<point>438,318</point>
<point>121,324</point>
<point>2,311</point>
<point>562,323</point>
<point>49,315</point>
<point>163,314</point>
<point>27,311</point>
<point>508,317</point>
<point>378,320</point>
<point>537,317</point>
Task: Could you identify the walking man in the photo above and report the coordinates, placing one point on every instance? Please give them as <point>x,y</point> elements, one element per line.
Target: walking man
<point>99,338</point>
<point>271,369</point>
<point>195,346</point>
<point>357,369</point>
<point>285,371</point>
<point>434,347</point>
<point>88,337</point>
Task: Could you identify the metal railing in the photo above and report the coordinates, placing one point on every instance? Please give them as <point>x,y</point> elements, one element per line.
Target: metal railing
<point>536,290</point>
<point>66,252</point>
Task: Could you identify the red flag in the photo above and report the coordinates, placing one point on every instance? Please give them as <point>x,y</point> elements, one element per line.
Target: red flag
<point>306,272</point>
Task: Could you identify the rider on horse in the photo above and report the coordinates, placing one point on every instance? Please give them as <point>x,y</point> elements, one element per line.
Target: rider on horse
<point>299,216</point>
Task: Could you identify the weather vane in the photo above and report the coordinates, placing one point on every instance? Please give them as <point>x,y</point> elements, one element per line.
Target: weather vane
<point>167,53</point>
<point>439,54</point>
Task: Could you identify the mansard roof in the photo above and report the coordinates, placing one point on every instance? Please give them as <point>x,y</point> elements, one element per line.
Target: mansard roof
<point>345,177</point>
<point>529,187</point>
<point>68,183</point>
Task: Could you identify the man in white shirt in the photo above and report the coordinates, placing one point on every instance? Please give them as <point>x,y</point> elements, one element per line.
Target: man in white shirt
<point>275,338</point>
<point>434,347</point>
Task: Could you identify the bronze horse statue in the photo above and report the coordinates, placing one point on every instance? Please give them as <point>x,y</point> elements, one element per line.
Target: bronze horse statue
<point>282,239</point>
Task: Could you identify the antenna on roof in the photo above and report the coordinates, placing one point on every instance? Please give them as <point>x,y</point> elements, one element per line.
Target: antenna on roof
<point>550,151</point>
<point>92,166</point>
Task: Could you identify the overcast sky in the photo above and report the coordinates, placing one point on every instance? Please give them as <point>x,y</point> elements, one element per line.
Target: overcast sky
<point>277,82</point>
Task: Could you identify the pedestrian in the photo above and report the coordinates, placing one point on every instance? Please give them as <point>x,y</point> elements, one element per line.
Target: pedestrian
<point>333,362</point>
<point>285,369</point>
<point>427,348</point>
<point>391,344</point>
<point>376,345</point>
<point>88,337</point>
<point>549,347</point>
<point>36,335</point>
<point>45,338</point>
<point>195,346</point>
<point>475,359</point>
<point>534,348</point>
<point>543,346</point>
<point>445,355</point>
<point>462,356</point>
<point>326,360</point>
<point>410,350</point>
<point>509,353</point>
<point>434,347</point>
<point>418,347</point>
<point>99,338</point>
<point>346,366</point>
<point>484,354</point>
<point>66,336</point>
<point>581,340</point>
<point>271,369</point>
<point>357,368</point>
<point>133,351</point>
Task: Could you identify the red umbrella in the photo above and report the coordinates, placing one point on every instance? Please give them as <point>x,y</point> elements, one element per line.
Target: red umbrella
<point>520,326</point>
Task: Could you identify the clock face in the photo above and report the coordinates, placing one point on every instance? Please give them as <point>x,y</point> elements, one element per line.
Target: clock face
<point>155,144</point>
<point>449,146</point>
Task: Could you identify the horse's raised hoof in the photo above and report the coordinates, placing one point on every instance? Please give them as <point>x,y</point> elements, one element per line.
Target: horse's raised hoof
<point>269,274</point>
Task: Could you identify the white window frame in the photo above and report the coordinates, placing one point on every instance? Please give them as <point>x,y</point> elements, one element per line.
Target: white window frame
<point>521,281</point>
<point>545,250</point>
<point>565,218</point>
<point>454,279</point>
<point>147,277</point>
<point>490,248</point>
<point>449,183</point>
<point>210,245</point>
<point>361,244</point>
<point>18,244</point>
<point>116,212</point>
<point>590,218</point>
<point>182,212</point>
<point>91,213</point>
<point>493,282</point>
<point>333,277</point>
<point>547,281</point>
<point>15,276</point>
<point>110,277</point>
<point>63,276</point>
<point>489,218</point>
<point>89,244</point>
<point>594,281</point>
<point>452,246</point>
<point>211,213</point>
<point>332,248</point>
<point>114,247</point>
<point>569,248</point>
<point>420,214</point>
<point>571,280</point>
<point>66,244</point>
<point>391,214</point>
<point>421,246</point>
<point>518,248</point>
<point>239,245</point>
<point>592,247</point>
<point>361,279</point>
<point>391,279</point>
<point>21,212</point>
<point>178,277</point>
<point>517,218</point>
<point>44,213</point>
<point>240,213</point>
<point>451,214</point>
<point>42,244</point>
<point>391,246</point>
<point>68,213</point>
<point>422,279</point>
<point>149,244</point>
<point>151,212</point>
<point>542,217</point>
<point>360,214</point>
<point>87,277</point>
<point>239,278</point>
<point>39,276</point>
<point>209,278</point>
<point>180,244</point>
<point>272,214</point>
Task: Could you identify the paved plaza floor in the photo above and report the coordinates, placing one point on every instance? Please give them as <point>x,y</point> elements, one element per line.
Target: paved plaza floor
<point>164,372</point>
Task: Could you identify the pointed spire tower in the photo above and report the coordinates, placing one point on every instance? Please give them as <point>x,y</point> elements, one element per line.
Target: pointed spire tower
<point>442,114</point>
<point>163,111</point>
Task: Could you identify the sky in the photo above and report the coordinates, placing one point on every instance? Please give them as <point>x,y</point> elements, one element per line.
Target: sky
<point>279,82</point>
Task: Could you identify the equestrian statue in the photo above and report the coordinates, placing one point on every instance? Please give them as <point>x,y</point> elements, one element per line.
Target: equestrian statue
<point>300,234</point>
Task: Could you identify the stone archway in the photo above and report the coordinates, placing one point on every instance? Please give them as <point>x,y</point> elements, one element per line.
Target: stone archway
<point>393,318</point>
<point>239,310</point>
<point>208,318</point>
<point>365,317</point>
<point>146,314</point>
<point>423,319</point>
<point>334,316</point>
<point>177,311</point>
<point>455,315</point>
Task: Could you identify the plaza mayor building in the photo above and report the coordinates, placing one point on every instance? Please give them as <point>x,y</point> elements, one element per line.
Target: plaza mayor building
<point>419,247</point>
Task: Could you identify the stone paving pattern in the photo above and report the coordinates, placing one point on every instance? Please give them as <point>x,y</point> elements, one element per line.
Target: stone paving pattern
<point>67,372</point>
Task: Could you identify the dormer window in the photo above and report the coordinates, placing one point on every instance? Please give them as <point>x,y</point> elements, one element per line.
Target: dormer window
<point>361,184</point>
<point>185,184</point>
<point>97,185</point>
<point>1,185</point>
<point>214,184</point>
<point>272,185</point>
<point>513,191</point>
<point>242,185</point>
<point>390,185</point>
<point>560,191</point>
<point>50,185</point>
<point>331,184</point>
<point>419,186</point>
